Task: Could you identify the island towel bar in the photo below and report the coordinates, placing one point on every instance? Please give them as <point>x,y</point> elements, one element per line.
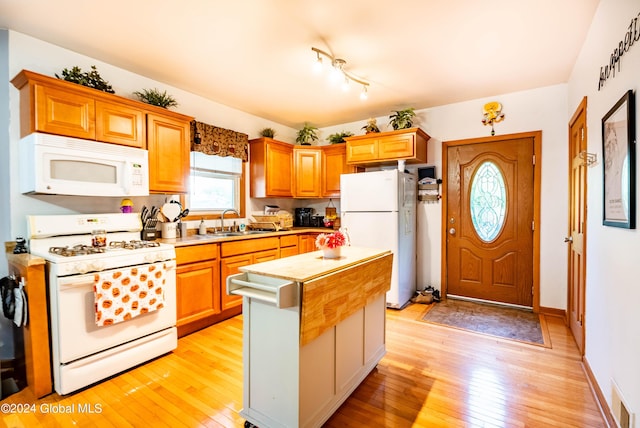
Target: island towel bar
<point>282,293</point>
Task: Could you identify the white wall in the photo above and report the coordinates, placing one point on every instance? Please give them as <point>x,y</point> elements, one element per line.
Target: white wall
<point>540,109</point>
<point>613,291</point>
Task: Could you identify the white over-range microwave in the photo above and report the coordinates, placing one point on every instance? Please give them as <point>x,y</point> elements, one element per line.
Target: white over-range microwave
<point>53,164</point>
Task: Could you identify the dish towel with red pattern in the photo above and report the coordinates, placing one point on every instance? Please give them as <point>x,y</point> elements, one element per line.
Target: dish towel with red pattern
<point>123,294</point>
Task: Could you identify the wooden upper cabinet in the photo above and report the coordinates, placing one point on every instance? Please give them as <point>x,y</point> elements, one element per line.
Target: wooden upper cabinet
<point>307,167</point>
<point>59,111</point>
<point>382,147</point>
<point>334,163</point>
<point>168,142</point>
<point>120,124</point>
<point>271,166</point>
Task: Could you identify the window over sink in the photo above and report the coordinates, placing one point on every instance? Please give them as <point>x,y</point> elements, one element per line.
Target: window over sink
<point>215,183</point>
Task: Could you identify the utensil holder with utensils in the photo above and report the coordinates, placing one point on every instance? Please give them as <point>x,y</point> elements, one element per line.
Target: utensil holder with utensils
<point>149,223</point>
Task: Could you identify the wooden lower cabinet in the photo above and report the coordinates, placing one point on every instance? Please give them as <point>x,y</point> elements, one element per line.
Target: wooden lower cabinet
<point>307,242</point>
<point>202,271</point>
<point>288,245</point>
<point>232,265</point>
<point>236,254</point>
<point>197,287</point>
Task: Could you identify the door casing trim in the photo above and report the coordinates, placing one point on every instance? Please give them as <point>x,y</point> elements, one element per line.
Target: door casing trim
<point>537,168</point>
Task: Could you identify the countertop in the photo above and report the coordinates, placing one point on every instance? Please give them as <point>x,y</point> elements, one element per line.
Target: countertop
<point>308,266</point>
<point>211,238</point>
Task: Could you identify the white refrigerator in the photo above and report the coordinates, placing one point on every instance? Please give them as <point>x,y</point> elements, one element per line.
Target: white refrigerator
<point>378,210</point>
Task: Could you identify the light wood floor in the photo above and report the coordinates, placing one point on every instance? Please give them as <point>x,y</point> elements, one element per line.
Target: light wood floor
<point>432,376</point>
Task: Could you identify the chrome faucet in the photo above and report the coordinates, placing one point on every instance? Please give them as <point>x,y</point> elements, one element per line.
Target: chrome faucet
<point>222,217</point>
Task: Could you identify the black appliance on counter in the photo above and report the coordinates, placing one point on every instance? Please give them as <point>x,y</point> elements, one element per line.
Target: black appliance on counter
<point>302,217</point>
<point>317,221</point>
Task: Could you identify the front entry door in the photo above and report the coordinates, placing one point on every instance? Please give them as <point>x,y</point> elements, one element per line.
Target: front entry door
<point>489,218</point>
<point>577,224</point>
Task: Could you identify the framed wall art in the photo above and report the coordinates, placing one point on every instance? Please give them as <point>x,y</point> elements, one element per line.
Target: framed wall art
<point>619,160</point>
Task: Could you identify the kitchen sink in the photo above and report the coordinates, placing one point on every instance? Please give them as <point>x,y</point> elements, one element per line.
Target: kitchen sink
<point>246,232</point>
<point>224,234</point>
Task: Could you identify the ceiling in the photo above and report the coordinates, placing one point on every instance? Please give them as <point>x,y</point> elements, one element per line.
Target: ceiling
<point>255,55</point>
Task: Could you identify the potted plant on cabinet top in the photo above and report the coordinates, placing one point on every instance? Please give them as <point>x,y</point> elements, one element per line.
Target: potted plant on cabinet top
<point>90,79</point>
<point>339,137</point>
<point>307,134</point>
<point>371,126</point>
<point>156,98</point>
<point>402,119</point>
<point>268,132</point>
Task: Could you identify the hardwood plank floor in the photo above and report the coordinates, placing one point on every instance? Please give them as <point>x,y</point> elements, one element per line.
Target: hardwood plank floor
<point>432,376</point>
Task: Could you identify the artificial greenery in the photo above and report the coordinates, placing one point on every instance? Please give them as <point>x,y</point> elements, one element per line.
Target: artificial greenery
<point>91,79</point>
<point>339,137</point>
<point>371,126</point>
<point>268,132</point>
<point>156,98</point>
<point>307,134</point>
<point>402,119</point>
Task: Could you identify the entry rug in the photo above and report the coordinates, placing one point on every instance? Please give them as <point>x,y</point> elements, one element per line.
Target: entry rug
<point>495,320</point>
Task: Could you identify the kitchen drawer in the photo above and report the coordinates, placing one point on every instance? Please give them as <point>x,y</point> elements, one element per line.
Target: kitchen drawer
<point>247,246</point>
<point>288,241</point>
<point>196,253</point>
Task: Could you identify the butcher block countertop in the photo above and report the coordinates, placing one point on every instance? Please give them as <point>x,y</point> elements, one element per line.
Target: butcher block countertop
<point>309,266</point>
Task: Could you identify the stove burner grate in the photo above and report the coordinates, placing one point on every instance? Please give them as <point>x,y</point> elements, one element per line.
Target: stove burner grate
<point>133,245</point>
<point>76,250</point>
<point>82,250</point>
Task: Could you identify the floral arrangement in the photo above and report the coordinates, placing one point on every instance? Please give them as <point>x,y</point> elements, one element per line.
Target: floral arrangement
<point>331,240</point>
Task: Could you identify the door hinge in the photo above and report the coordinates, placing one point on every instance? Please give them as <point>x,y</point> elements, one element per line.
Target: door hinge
<point>533,226</point>
<point>532,290</point>
<point>534,159</point>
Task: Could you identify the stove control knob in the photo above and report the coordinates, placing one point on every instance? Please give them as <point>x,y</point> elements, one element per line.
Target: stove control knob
<point>97,266</point>
<point>81,268</point>
<point>153,257</point>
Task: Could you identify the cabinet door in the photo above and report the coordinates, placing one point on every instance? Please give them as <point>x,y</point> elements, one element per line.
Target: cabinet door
<point>197,291</point>
<point>278,170</point>
<point>362,150</point>
<point>120,124</point>
<point>288,251</point>
<point>168,145</point>
<point>229,266</point>
<point>396,146</point>
<point>334,163</point>
<point>64,113</point>
<point>307,172</point>
<point>307,242</point>
<point>265,256</point>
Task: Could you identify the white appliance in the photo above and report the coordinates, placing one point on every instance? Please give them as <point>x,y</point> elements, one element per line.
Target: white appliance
<point>53,164</point>
<point>378,210</point>
<point>82,351</point>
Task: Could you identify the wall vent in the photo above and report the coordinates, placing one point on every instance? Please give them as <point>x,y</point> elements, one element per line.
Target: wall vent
<point>623,415</point>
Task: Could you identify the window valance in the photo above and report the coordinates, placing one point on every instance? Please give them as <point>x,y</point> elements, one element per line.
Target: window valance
<point>219,141</point>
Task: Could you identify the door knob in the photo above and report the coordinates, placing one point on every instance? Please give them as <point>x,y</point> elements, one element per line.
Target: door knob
<point>452,231</point>
<point>568,239</point>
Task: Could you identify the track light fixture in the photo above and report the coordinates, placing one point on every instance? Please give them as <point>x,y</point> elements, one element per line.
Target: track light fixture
<point>337,70</point>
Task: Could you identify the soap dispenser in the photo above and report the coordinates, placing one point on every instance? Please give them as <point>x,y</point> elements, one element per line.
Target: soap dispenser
<point>202,230</point>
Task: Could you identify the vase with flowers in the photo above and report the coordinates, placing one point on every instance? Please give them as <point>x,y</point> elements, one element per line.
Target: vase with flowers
<point>330,244</point>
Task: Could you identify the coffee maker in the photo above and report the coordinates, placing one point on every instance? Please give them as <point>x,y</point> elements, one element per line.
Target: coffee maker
<point>302,217</point>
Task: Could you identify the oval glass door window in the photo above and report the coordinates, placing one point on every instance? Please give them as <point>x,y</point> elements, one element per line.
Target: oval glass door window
<point>488,201</point>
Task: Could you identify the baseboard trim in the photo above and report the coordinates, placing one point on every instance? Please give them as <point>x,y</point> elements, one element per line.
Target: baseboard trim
<point>598,395</point>
<point>554,312</point>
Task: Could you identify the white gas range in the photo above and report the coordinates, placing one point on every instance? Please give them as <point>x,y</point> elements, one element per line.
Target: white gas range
<point>112,297</point>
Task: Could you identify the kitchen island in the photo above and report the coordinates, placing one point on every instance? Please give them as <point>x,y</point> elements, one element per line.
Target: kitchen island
<point>313,330</point>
